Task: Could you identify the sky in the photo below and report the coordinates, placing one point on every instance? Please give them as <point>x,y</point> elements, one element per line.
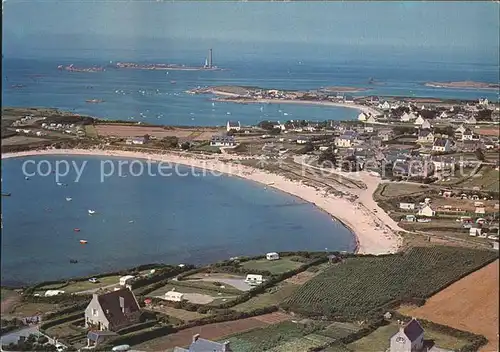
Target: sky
<point>469,29</point>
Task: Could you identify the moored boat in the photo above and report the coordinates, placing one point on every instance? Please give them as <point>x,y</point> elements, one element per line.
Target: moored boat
<point>91,212</point>
<point>76,229</point>
<point>83,241</point>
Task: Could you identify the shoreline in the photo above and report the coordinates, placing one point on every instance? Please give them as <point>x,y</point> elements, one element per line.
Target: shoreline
<point>369,237</point>
<point>232,99</point>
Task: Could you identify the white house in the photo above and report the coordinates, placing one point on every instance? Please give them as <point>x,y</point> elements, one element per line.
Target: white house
<point>474,231</point>
<point>253,279</point>
<point>407,206</point>
<point>385,106</point>
<point>174,296</point>
<point>302,140</point>
<point>233,126</point>
<point>426,210</point>
<point>480,210</point>
<point>443,115</point>
<point>362,117</point>
<point>51,293</point>
<point>139,140</point>
<point>409,338</point>
<point>272,256</point>
<point>471,120</point>
<point>371,119</point>
<point>426,124</point>
<point>125,279</point>
<point>419,120</point>
<point>441,145</point>
<point>425,136</point>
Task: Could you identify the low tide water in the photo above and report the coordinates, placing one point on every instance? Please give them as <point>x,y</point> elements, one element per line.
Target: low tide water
<point>146,219</point>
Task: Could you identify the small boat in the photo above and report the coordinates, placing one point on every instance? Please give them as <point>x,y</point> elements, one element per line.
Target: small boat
<point>173,82</point>
<point>68,199</point>
<point>73,261</point>
<point>83,241</point>
<point>131,221</point>
<point>76,229</point>
<point>59,184</point>
<point>26,178</point>
<point>6,194</point>
<point>91,212</point>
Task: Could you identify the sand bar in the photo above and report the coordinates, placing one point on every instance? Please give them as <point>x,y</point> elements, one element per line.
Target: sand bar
<point>373,235</point>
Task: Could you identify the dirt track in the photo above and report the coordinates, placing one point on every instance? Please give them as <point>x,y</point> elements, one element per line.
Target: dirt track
<point>470,304</point>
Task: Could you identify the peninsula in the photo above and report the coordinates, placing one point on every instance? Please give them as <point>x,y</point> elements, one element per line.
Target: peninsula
<point>463,85</point>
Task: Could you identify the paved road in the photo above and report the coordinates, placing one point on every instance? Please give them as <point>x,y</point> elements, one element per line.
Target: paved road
<point>14,335</point>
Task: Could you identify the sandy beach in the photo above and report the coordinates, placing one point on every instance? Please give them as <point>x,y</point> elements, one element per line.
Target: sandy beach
<point>232,99</point>
<point>375,234</point>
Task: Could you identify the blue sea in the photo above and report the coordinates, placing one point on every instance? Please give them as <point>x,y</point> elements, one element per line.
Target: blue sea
<point>183,219</point>
<point>145,219</point>
<point>150,96</point>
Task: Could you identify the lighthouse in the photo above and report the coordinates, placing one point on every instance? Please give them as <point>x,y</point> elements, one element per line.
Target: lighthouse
<point>209,58</point>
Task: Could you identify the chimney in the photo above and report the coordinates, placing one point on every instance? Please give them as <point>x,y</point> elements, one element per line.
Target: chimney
<point>195,337</point>
<point>122,304</point>
<point>225,347</point>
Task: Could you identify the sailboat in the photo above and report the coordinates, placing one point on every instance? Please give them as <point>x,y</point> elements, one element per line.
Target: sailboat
<point>206,63</point>
<point>91,212</point>
<point>68,199</point>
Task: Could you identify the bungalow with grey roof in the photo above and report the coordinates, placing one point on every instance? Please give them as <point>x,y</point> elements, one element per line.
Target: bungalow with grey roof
<point>233,126</point>
<point>222,141</point>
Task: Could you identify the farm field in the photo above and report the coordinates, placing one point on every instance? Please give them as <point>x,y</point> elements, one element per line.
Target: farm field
<point>273,296</point>
<point>354,288</point>
<point>304,343</point>
<point>274,266</point>
<point>87,285</point>
<point>211,331</point>
<point>487,180</point>
<point>379,340</point>
<point>270,337</point>
<point>470,304</point>
<point>231,283</point>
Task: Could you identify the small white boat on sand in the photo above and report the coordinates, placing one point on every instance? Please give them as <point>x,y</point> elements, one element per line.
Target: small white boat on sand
<point>68,199</point>
<point>91,212</point>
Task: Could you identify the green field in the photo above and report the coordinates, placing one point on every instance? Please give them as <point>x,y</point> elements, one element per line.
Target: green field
<point>379,340</point>
<point>272,336</point>
<point>304,343</point>
<point>79,286</point>
<point>274,266</point>
<point>359,285</point>
<point>273,296</point>
<point>338,330</point>
<point>6,293</point>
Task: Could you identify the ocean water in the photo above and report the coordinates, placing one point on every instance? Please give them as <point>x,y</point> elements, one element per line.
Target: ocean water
<point>145,219</point>
<point>149,96</point>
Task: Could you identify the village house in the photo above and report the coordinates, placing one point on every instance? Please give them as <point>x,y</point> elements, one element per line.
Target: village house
<point>443,115</point>
<point>362,117</point>
<point>272,256</point>
<point>368,129</point>
<point>408,117</point>
<point>124,280</point>
<point>425,136</point>
<point>112,311</point>
<point>426,211</point>
<point>407,206</point>
<point>426,124</point>
<point>460,131</point>
<point>471,120</point>
<point>409,338</point>
<point>384,106</point>
<point>254,279</point>
<point>474,231</point>
<point>222,141</point>
<point>136,141</point>
<point>202,345</point>
<point>174,296</point>
<point>420,121</point>
<point>469,135</point>
<point>386,135</point>
<point>442,163</point>
<point>411,168</point>
<point>371,119</point>
<point>442,145</point>
<point>233,126</point>
<point>302,140</point>
<point>347,139</point>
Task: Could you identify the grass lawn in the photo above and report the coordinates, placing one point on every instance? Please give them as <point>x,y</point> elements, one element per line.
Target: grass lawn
<point>379,340</point>
<point>62,331</point>
<point>90,131</point>
<point>87,285</point>
<point>274,266</point>
<point>28,309</point>
<point>181,314</point>
<point>224,297</point>
<point>338,330</point>
<point>273,296</point>
<point>6,293</point>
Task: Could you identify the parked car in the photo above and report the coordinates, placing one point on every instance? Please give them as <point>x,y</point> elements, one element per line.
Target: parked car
<point>94,280</point>
<point>121,348</point>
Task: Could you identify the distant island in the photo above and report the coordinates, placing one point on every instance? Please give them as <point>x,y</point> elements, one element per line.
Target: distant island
<point>463,84</point>
<point>166,67</point>
<point>342,89</point>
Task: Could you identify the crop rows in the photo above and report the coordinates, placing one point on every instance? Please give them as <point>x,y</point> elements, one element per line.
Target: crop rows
<point>362,284</point>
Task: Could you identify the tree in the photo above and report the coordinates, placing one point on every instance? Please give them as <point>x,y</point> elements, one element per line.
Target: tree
<point>479,154</point>
<point>169,142</point>
<point>328,158</point>
<point>185,146</point>
<point>266,125</point>
<point>484,114</point>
